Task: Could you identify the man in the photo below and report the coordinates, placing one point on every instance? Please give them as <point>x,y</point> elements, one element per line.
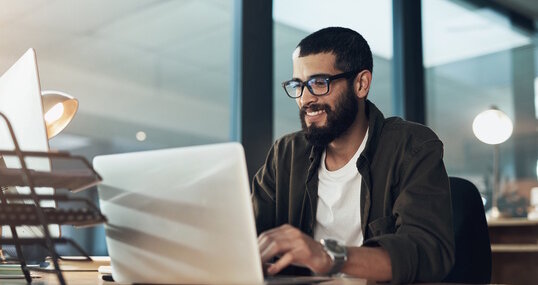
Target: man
<point>353,192</point>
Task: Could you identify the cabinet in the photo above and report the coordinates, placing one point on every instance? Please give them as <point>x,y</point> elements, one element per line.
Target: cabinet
<point>514,248</point>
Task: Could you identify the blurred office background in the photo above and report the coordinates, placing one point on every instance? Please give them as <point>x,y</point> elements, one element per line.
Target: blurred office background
<point>153,74</point>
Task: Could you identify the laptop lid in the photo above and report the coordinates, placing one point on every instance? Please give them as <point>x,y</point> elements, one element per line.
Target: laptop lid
<point>180,215</point>
<point>20,101</point>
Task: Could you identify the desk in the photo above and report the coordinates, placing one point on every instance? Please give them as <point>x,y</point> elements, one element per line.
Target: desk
<point>93,278</point>
<point>514,248</point>
<point>72,278</point>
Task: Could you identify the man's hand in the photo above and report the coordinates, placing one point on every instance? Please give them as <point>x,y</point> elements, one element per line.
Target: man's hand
<point>293,247</point>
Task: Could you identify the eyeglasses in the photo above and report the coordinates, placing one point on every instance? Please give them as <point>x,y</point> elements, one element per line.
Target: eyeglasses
<point>318,85</point>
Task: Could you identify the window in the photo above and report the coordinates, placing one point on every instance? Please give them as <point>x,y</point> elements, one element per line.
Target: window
<point>293,20</point>
<point>475,58</point>
<point>147,74</point>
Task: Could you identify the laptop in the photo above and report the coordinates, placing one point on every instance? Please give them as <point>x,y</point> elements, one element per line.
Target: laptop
<point>21,103</point>
<point>181,215</point>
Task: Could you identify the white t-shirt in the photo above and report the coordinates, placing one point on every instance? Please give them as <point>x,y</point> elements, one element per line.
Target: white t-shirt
<point>339,213</point>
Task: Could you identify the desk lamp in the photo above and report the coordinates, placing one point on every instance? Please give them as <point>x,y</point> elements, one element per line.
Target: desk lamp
<point>493,127</point>
<point>59,109</point>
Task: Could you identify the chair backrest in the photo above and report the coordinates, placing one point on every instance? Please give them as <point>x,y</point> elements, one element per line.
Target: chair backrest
<point>473,248</point>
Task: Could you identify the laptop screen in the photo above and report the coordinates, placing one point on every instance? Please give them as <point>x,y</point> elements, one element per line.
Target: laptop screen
<point>20,101</point>
<point>180,215</point>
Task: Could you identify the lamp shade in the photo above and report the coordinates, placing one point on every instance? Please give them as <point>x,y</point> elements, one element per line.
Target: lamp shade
<point>59,109</point>
<point>492,126</point>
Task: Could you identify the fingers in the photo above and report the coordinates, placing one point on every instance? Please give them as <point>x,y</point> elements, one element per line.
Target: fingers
<point>268,251</point>
<point>275,243</point>
<point>292,246</point>
<point>282,263</point>
<point>265,266</point>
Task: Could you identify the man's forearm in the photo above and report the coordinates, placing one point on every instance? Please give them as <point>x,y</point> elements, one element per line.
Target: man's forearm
<point>372,263</point>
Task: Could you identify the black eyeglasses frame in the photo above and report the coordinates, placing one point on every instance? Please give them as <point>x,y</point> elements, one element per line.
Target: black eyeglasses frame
<point>328,81</point>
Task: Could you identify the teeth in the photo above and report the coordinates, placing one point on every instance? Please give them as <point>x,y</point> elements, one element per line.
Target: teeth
<point>315,113</point>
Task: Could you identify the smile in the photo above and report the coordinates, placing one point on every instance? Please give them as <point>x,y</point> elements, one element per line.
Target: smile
<point>314,113</point>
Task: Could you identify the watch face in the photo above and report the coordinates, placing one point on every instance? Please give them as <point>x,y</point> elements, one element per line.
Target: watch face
<point>333,246</point>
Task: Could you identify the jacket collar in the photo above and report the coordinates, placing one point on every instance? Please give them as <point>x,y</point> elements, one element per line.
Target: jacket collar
<point>375,126</point>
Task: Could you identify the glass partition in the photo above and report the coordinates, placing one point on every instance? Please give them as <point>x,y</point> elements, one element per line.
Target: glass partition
<point>148,74</point>
<point>474,59</point>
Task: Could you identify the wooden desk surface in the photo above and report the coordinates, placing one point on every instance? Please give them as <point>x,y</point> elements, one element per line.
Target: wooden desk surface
<point>506,222</point>
<point>93,278</point>
<point>77,278</point>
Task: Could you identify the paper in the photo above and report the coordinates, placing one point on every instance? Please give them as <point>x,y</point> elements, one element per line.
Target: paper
<point>79,264</point>
<point>13,271</point>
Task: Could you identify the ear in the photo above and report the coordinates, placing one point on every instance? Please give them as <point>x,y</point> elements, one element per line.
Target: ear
<point>362,83</point>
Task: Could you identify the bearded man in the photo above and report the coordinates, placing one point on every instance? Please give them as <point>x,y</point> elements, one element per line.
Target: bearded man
<point>352,193</point>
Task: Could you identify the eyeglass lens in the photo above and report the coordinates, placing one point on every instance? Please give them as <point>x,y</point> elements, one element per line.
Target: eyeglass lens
<point>316,86</point>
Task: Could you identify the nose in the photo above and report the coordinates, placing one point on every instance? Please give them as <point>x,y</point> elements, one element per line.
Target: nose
<point>307,98</point>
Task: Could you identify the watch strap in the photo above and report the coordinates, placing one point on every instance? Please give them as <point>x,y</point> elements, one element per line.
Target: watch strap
<point>338,259</point>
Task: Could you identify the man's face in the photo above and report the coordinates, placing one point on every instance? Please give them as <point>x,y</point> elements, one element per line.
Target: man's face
<point>324,118</point>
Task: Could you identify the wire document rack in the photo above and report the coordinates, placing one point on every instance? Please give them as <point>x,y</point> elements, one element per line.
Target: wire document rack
<point>24,208</point>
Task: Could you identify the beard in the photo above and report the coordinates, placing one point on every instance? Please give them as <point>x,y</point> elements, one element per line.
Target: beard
<point>338,120</point>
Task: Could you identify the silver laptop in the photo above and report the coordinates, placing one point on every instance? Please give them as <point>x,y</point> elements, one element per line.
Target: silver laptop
<point>181,215</point>
<point>21,103</point>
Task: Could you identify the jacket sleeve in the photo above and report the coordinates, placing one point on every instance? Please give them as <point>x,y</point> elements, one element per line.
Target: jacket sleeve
<point>422,247</point>
<point>263,194</point>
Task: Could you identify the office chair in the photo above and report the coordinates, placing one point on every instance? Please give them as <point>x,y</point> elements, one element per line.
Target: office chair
<point>473,248</point>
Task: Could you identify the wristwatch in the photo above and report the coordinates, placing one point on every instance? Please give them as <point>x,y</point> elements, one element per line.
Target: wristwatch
<point>337,253</point>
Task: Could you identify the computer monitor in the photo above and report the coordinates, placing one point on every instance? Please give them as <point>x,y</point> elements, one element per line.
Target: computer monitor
<point>20,101</point>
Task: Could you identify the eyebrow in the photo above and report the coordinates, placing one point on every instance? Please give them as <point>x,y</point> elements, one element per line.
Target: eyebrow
<point>312,76</point>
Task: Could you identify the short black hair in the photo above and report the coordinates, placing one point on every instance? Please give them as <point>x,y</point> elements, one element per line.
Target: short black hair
<point>350,48</point>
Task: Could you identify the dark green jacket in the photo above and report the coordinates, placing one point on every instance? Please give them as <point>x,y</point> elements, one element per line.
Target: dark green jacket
<point>405,196</point>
